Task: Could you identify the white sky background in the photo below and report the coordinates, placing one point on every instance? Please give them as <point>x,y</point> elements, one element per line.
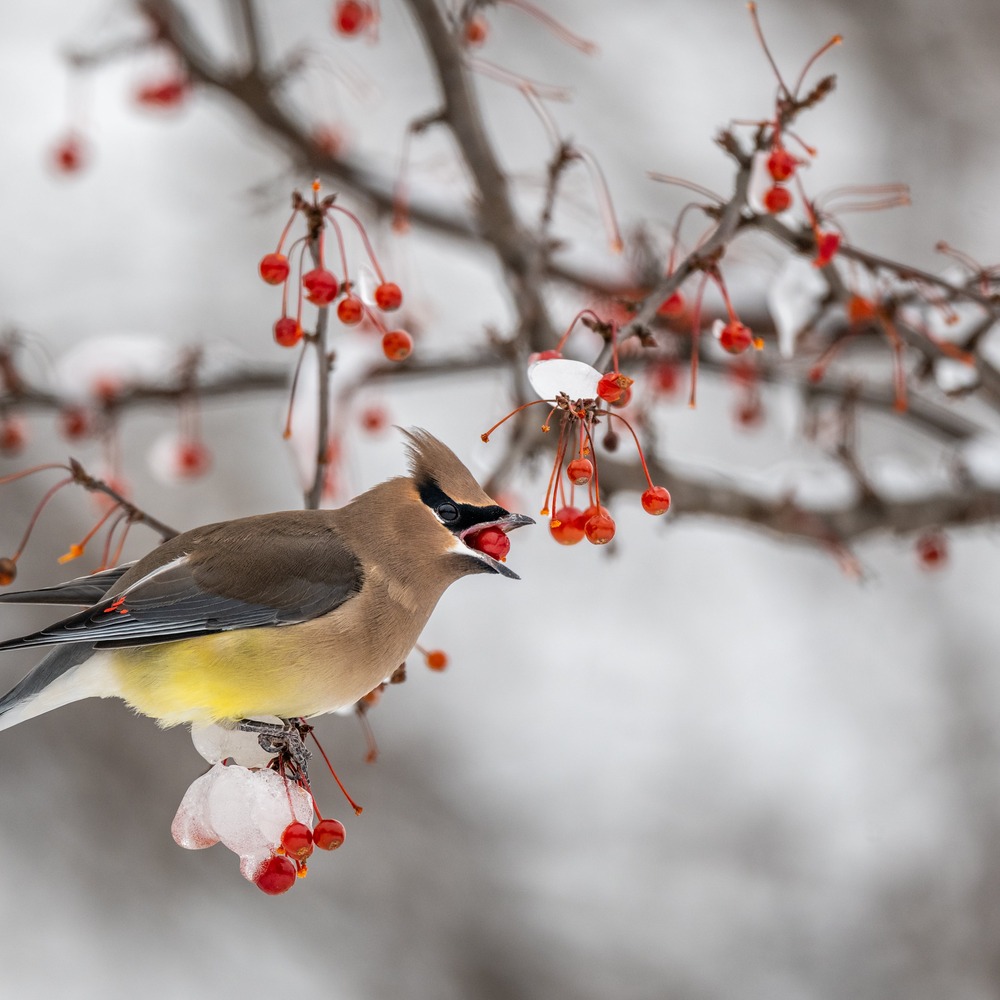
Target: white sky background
<point>703,765</point>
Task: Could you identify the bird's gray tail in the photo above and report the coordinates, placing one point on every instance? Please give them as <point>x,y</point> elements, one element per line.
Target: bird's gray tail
<point>68,673</point>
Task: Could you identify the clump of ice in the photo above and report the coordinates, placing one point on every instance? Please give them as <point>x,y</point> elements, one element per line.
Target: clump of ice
<point>555,375</point>
<point>245,809</point>
<point>793,299</point>
<point>216,743</point>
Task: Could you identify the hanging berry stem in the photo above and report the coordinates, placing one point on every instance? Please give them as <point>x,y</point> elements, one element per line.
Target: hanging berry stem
<point>357,809</point>
<point>486,436</point>
<point>75,551</point>
<point>369,249</point>
<point>41,504</point>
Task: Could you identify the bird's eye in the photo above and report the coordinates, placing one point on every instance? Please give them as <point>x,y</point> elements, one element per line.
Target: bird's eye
<point>448,513</point>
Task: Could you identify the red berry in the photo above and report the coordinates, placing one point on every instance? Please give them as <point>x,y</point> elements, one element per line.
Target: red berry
<point>749,414</point>
<point>297,840</point>
<point>75,423</point>
<point>373,419</point>
<point>860,310</point>
<point>673,305</point>
<point>351,17</point>
<point>329,834</point>
<point>350,310</point>
<point>735,337</point>
<point>656,500</point>
<point>827,245</point>
<point>397,345</point>
<point>275,876</point>
<point>612,386</point>
<point>287,331</point>
<point>664,376</point>
<point>493,541</point>
<point>545,356</point>
<point>69,156</point>
<point>781,164</point>
<point>321,286</point>
<point>568,525</point>
<point>777,199</point>
<point>273,268</point>
<point>192,459</point>
<point>13,435</point>
<point>600,528</point>
<point>167,93</point>
<point>437,659</point>
<point>476,30</point>
<point>8,571</point>
<point>932,550</point>
<point>580,471</point>
<point>388,296</point>
<point>328,140</point>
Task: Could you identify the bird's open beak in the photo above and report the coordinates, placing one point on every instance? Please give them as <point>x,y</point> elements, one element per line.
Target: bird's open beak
<point>507,523</point>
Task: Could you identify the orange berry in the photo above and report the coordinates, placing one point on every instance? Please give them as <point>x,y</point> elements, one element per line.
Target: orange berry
<point>397,345</point>
<point>656,500</point>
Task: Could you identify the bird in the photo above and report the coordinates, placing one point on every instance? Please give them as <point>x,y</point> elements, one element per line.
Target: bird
<point>290,615</point>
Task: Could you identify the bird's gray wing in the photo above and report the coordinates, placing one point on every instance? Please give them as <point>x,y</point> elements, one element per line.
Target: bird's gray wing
<point>84,590</point>
<point>270,570</point>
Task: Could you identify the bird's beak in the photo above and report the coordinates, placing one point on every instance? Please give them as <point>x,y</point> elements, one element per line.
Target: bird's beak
<point>507,523</point>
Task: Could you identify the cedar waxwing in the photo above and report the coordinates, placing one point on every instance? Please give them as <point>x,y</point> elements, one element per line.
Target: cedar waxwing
<point>291,614</point>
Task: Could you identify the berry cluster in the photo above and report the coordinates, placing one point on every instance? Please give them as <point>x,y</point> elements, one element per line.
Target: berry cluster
<point>321,286</point>
<point>582,398</point>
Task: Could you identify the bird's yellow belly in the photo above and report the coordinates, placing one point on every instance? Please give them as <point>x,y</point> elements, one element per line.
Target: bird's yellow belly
<point>241,674</point>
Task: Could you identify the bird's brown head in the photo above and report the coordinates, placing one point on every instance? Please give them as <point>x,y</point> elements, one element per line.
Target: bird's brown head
<point>478,525</point>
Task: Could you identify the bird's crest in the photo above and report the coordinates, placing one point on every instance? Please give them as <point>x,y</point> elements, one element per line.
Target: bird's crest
<point>434,463</point>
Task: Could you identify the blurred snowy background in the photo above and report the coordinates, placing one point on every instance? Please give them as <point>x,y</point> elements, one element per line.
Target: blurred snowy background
<point>702,765</point>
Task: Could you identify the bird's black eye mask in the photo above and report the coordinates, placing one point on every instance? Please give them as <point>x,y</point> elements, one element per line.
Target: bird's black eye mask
<point>457,517</point>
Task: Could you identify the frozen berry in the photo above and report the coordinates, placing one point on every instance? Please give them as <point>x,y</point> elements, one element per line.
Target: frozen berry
<point>275,876</point>
<point>436,659</point>
<point>328,834</point>
<point>672,305</point>
<point>600,527</point>
<point>273,268</point>
<point>580,471</point>
<point>13,435</point>
<point>193,459</point>
<point>735,337</point>
<point>350,311</point>
<point>397,345</point>
<point>777,199</point>
<point>388,296</point>
<point>656,500</point>
<point>287,331</point>
<point>321,286</point>
<point>612,386</point>
<point>476,30</point>
<point>351,17</point>
<point>297,840</point>
<point>493,541</point>
<point>74,423</point>
<point>781,164</point>
<point>932,550</point>
<point>69,155</point>
<point>568,525</point>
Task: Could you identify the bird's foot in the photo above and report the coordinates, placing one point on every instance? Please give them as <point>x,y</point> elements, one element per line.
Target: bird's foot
<point>286,740</point>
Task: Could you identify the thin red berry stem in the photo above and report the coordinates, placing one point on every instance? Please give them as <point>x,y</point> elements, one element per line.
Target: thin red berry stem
<point>833,41</point>
<point>338,232</point>
<point>752,7</point>
<point>287,432</point>
<point>50,493</point>
<point>284,232</point>
<point>357,809</point>
<point>369,249</point>
<point>559,30</point>
<point>13,476</point>
<point>485,436</point>
<point>638,447</point>
<point>604,202</point>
